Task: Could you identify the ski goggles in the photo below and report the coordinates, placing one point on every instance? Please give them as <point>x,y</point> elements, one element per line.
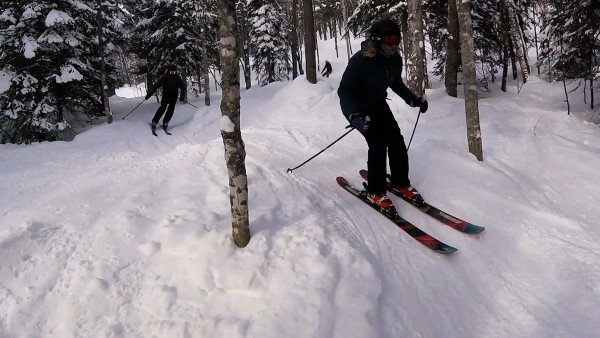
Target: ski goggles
<point>172,72</point>
<point>390,40</point>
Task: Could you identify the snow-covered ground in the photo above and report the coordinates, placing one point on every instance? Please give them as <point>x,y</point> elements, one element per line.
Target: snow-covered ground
<point>122,234</point>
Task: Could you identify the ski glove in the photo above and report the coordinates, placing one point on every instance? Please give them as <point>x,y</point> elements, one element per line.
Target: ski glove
<point>421,102</point>
<point>360,122</point>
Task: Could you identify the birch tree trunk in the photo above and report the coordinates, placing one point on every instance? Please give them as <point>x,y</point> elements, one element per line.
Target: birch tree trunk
<point>469,79</point>
<point>109,115</point>
<point>415,34</point>
<point>310,42</point>
<point>235,153</point>
<point>452,50</point>
<point>515,37</point>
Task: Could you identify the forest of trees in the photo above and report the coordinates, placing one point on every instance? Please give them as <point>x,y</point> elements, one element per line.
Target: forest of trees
<point>62,59</point>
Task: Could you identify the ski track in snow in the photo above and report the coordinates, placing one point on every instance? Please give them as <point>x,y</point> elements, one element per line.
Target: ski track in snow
<point>123,234</point>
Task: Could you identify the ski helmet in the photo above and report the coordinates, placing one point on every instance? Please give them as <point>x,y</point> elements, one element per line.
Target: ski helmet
<point>171,68</point>
<point>383,28</point>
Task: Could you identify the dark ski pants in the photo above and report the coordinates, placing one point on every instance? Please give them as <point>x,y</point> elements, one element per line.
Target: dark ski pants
<point>167,104</point>
<point>385,140</point>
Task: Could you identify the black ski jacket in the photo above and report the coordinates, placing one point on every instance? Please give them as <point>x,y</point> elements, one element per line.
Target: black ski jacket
<point>366,79</point>
<point>170,86</point>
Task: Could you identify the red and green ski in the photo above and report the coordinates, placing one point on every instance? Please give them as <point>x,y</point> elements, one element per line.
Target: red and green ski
<point>445,218</point>
<point>416,233</point>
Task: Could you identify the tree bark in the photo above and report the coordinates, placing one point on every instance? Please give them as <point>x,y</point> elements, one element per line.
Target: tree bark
<point>347,35</point>
<point>506,45</point>
<point>515,37</point>
<point>310,42</point>
<point>235,153</point>
<point>452,50</point>
<point>243,49</point>
<point>335,37</point>
<point>415,33</point>
<point>426,83</point>
<point>109,115</point>
<point>205,70</point>
<point>469,79</point>
<point>405,39</point>
<point>294,39</point>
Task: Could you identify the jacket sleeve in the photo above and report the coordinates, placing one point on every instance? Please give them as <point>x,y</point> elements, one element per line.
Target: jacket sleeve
<point>400,88</point>
<point>156,85</point>
<point>350,86</point>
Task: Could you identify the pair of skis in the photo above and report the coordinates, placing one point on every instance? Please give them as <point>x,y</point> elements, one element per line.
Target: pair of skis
<point>154,130</point>
<point>416,233</point>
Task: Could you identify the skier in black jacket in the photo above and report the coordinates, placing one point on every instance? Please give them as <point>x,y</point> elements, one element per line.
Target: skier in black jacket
<point>363,92</point>
<point>171,83</point>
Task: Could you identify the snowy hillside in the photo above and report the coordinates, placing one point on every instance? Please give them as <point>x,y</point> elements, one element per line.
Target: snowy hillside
<point>122,234</point>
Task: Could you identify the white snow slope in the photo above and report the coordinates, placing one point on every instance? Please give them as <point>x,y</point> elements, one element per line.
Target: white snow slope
<point>122,234</point>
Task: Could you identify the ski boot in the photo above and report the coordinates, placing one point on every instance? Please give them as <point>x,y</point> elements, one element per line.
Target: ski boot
<point>410,194</point>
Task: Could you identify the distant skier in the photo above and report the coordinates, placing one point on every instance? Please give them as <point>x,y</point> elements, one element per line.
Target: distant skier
<point>327,70</point>
<point>363,93</point>
<point>171,83</point>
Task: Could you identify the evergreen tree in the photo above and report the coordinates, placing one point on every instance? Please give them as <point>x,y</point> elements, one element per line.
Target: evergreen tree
<point>51,62</point>
<point>172,33</point>
<point>572,41</point>
<point>270,44</point>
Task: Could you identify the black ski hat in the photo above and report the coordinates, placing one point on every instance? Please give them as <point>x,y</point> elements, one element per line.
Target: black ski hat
<point>171,68</point>
<point>384,27</point>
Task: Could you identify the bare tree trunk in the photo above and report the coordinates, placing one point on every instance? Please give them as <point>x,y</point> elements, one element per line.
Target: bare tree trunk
<point>515,36</point>
<point>309,41</point>
<point>513,58</point>
<point>535,35</point>
<point>505,56</point>
<point>347,35</point>
<point>452,50</point>
<point>405,39</point>
<point>205,70</point>
<point>591,93</point>
<point>506,45</point>
<point>247,71</point>
<point>109,115</point>
<point>243,50</point>
<point>591,67</point>
<point>294,39</point>
<point>426,83</point>
<point>335,38</point>
<point>469,80</point>
<point>235,153</point>
<point>126,69</point>
<point>415,34</point>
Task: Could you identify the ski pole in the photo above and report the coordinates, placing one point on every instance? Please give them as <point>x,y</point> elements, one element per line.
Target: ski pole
<point>191,104</point>
<point>317,154</point>
<point>413,133</point>
<point>134,109</point>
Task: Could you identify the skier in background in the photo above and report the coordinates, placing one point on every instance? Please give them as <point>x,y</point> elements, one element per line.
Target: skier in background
<point>327,69</point>
<point>363,93</point>
<point>171,83</point>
